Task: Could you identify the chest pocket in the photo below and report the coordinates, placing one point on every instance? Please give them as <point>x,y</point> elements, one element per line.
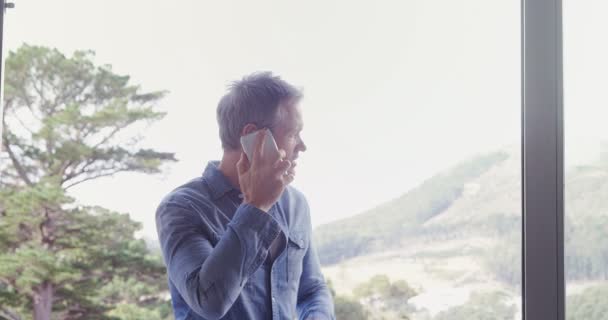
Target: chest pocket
<point>296,249</point>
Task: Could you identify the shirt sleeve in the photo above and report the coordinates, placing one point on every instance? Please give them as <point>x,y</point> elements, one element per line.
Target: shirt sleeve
<point>210,278</point>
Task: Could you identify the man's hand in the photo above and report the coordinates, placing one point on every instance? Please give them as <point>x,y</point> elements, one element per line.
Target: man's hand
<point>263,179</point>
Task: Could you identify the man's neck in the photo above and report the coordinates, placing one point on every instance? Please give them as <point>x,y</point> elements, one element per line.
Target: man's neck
<point>228,167</point>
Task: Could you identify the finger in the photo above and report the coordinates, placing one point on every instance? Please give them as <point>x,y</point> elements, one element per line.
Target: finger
<point>259,145</point>
<point>291,170</point>
<point>279,156</point>
<point>243,165</point>
<point>282,154</point>
<point>282,166</point>
<point>287,178</point>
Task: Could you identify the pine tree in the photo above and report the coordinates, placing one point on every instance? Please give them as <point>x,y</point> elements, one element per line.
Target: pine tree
<point>68,122</point>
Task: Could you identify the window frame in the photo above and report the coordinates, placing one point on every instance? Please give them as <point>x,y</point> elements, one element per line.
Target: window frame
<point>543,291</point>
<point>3,7</point>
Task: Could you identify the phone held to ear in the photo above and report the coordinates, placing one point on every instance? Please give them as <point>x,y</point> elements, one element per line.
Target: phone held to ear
<point>270,146</point>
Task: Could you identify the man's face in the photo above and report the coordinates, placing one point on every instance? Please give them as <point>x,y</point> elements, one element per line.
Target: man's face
<point>287,131</point>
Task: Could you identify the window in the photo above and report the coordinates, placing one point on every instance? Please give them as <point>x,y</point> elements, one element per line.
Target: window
<point>413,123</point>
<point>586,151</point>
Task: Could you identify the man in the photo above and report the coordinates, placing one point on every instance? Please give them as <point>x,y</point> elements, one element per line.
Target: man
<point>237,241</point>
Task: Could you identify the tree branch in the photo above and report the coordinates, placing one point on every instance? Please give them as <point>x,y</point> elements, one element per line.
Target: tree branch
<point>28,103</point>
<point>44,103</point>
<point>106,174</point>
<point>110,135</point>
<point>12,283</point>
<point>8,314</point>
<point>23,124</point>
<point>76,172</point>
<point>16,163</point>
<point>46,229</point>
<point>73,93</point>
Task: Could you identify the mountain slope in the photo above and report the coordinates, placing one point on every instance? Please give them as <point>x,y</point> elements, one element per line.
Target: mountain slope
<point>384,226</point>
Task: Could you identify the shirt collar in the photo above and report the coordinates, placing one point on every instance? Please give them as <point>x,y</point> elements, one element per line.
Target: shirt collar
<point>217,181</point>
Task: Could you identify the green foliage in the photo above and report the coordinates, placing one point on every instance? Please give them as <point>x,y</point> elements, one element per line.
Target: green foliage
<point>589,305</point>
<point>481,306</point>
<point>382,227</point>
<point>586,222</point>
<point>378,285</point>
<point>504,259</point>
<point>347,308</point>
<point>67,122</point>
<point>69,119</point>
<point>401,289</point>
<point>586,248</point>
<point>384,298</point>
<point>340,245</point>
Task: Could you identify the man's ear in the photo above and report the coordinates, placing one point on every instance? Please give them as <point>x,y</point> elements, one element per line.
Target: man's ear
<point>248,128</point>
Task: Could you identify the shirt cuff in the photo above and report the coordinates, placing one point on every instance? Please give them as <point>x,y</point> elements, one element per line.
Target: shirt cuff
<point>251,218</point>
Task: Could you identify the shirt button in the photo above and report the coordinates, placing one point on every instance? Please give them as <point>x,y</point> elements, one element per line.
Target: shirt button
<point>273,299</point>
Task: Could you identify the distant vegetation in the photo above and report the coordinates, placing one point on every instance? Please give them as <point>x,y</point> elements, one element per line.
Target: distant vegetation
<point>404,220</point>
<point>589,305</point>
<point>347,308</point>
<point>378,298</point>
<point>586,232</point>
<point>484,306</point>
<point>385,225</point>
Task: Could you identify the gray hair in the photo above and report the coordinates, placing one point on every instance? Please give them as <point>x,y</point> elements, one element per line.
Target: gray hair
<point>254,99</point>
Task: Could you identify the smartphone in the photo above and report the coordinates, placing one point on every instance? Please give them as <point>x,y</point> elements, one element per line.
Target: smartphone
<point>270,146</point>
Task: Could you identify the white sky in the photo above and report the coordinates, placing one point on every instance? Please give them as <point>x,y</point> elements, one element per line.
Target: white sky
<point>394,90</point>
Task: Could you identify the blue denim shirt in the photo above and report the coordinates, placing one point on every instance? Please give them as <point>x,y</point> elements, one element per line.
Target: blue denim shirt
<point>215,249</point>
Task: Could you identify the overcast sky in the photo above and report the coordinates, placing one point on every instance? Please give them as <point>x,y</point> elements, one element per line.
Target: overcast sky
<point>394,90</point>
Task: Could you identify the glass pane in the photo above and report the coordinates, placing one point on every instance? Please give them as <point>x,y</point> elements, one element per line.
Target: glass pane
<point>412,114</point>
<point>586,159</point>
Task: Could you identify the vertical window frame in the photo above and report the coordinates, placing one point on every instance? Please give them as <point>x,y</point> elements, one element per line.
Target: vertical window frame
<point>543,291</point>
